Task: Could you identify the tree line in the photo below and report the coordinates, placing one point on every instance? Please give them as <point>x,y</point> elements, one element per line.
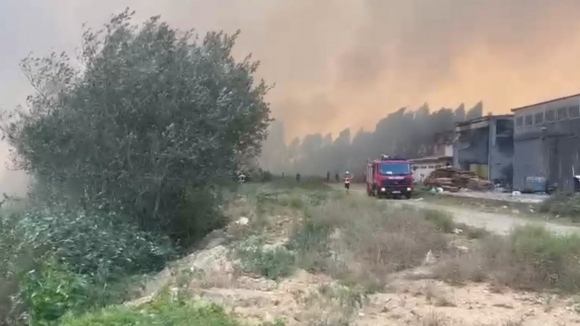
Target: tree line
<point>406,133</point>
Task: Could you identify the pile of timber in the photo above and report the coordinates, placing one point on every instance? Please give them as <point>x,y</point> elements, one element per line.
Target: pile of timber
<point>453,179</point>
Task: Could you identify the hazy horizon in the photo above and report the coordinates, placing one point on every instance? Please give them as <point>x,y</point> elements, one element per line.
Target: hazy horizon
<point>342,64</point>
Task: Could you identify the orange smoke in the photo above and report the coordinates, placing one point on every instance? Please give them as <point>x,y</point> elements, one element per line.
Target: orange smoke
<point>341,64</point>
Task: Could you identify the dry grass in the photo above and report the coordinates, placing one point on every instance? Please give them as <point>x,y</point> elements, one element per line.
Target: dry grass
<point>433,319</point>
<point>436,296</point>
<point>358,240</point>
<point>353,238</point>
<point>531,258</point>
<point>562,205</point>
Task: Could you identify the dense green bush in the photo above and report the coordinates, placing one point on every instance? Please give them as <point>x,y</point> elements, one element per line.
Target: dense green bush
<point>128,153</point>
<point>154,111</point>
<point>50,291</point>
<point>56,260</point>
<point>162,312</point>
<point>104,245</point>
<point>198,215</point>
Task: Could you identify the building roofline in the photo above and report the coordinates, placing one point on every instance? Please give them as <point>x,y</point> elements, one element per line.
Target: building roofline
<point>544,102</point>
<point>484,118</point>
<point>430,158</point>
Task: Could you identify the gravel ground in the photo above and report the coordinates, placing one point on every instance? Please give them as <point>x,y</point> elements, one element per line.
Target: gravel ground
<point>493,222</point>
<point>508,197</point>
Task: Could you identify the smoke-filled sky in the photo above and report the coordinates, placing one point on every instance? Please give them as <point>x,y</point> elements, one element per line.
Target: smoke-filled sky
<point>345,63</point>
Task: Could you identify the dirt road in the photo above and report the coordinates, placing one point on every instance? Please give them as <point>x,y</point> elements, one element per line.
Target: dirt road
<point>493,222</point>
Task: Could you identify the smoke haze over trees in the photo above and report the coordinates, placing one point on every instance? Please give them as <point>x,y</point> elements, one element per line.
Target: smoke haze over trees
<point>406,133</point>
<point>333,59</point>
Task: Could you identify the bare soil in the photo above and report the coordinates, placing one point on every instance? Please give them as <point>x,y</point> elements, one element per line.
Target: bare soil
<point>411,297</point>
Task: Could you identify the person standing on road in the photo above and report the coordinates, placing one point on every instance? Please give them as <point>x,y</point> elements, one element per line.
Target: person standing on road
<point>242,178</point>
<point>347,178</point>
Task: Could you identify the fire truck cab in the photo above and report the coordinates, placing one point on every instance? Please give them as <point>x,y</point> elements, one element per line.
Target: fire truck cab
<point>389,177</point>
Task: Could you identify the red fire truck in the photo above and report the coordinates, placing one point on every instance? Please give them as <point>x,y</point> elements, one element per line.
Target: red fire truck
<point>389,177</point>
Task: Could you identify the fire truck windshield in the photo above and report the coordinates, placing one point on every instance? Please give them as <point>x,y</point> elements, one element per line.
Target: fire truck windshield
<point>395,168</point>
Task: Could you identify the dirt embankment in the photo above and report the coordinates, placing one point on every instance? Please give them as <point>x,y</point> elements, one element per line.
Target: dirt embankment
<point>296,257</point>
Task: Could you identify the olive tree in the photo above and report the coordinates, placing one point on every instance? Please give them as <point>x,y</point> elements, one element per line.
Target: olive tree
<point>146,116</point>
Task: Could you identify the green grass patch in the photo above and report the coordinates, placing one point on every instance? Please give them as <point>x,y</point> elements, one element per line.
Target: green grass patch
<point>308,183</point>
<point>161,312</point>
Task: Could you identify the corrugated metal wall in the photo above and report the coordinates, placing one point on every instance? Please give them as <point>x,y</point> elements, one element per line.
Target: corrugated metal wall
<point>528,155</point>
<point>550,149</point>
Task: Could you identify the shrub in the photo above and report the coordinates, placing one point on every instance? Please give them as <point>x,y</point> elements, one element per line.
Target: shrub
<point>266,176</point>
<point>50,291</point>
<point>91,252</point>
<point>441,220</point>
<point>106,246</point>
<point>530,258</point>
<point>198,215</point>
<point>562,204</point>
<point>310,242</point>
<point>542,259</point>
<point>271,263</point>
<point>186,114</point>
<point>161,312</point>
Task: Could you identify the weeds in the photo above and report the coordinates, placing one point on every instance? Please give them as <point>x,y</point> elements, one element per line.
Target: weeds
<point>531,258</point>
<point>271,263</point>
<point>307,183</point>
<point>163,311</point>
<point>347,301</point>
<point>563,205</point>
<point>433,319</point>
<point>356,238</point>
<point>441,220</point>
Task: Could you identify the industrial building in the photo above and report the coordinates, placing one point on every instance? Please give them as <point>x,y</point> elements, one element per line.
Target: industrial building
<point>442,155</point>
<point>486,146</point>
<point>546,145</point>
<point>422,167</point>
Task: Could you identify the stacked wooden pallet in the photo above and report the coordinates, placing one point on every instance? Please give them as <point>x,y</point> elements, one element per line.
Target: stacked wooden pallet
<point>453,179</point>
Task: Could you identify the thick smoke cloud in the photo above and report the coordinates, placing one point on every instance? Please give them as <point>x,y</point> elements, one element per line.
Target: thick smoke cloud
<point>405,133</point>
<point>346,63</point>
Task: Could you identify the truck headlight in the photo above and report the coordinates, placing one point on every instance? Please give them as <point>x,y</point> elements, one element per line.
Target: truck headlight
<point>383,189</point>
<point>409,189</point>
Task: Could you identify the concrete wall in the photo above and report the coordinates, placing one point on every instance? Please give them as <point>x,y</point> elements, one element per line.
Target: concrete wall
<point>472,147</point>
<point>547,143</point>
<point>422,168</point>
<point>443,150</point>
<point>486,147</point>
<point>501,150</point>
